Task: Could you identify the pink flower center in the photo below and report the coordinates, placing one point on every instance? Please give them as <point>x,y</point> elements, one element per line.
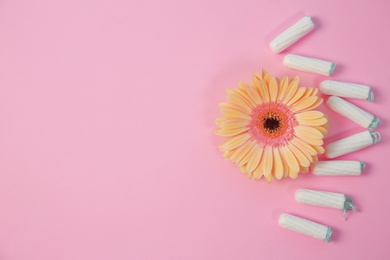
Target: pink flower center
<point>272,124</point>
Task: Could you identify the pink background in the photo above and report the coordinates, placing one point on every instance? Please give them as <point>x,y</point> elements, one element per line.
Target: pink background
<point>107,110</point>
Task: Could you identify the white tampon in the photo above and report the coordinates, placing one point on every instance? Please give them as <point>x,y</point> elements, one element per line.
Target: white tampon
<point>309,64</point>
<point>345,89</point>
<point>356,114</point>
<point>292,34</point>
<point>338,168</point>
<point>352,143</point>
<point>325,199</point>
<point>305,227</point>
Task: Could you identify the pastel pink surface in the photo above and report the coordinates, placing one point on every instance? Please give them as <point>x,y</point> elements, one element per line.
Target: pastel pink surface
<point>107,113</point>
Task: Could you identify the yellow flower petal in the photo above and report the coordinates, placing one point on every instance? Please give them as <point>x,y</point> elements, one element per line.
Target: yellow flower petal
<point>302,159</point>
<point>243,158</point>
<point>256,79</point>
<point>286,172</point>
<point>242,85</point>
<point>290,158</point>
<point>254,95</point>
<point>303,146</point>
<point>314,91</point>
<point>296,97</point>
<point>305,152</point>
<point>250,94</point>
<point>286,168</point>
<point>258,172</point>
<point>304,169</point>
<point>292,89</point>
<point>234,142</point>
<point>241,152</point>
<point>266,76</point>
<point>309,115</point>
<point>218,121</point>
<point>283,88</point>
<point>313,142</point>
<point>230,132</point>
<point>322,129</point>
<point>310,92</point>
<point>313,122</point>
<point>243,95</point>
<point>254,159</point>
<point>315,159</point>
<point>267,161</point>
<point>319,149</point>
<point>308,131</point>
<point>242,91</point>
<point>228,154</point>
<point>278,164</point>
<point>238,101</point>
<point>293,174</point>
<point>232,123</point>
<point>316,104</point>
<point>273,89</point>
<point>232,106</point>
<point>263,90</point>
<point>234,113</point>
<point>257,75</point>
<point>269,178</point>
<point>304,103</point>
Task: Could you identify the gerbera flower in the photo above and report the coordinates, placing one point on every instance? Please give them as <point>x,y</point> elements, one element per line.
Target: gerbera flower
<point>270,127</point>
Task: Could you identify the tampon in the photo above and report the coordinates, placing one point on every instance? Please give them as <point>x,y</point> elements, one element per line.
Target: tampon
<point>347,90</point>
<point>325,199</point>
<point>352,143</point>
<point>306,227</point>
<point>338,168</point>
<point>292,34</point>
<point>356,114</point>
<point>309,64</point>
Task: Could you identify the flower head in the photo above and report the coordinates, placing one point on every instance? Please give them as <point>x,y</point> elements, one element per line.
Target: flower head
<point>270,127</point>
